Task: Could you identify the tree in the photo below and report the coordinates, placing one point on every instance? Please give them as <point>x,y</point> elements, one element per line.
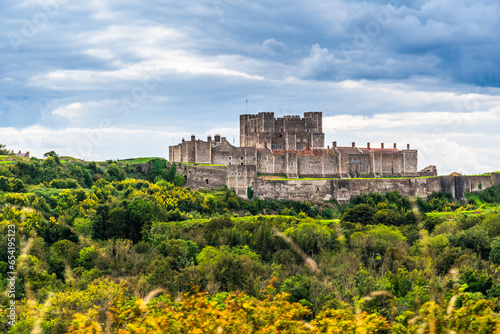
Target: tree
<point>114,173</point>
<point>495,251</point>
<point>360,213</point>
<point>431,222</point>
<point>54,155</point>
<point>3,150</point>
<point>250,193</point>
<point>5,184</point>
<point>388,217</point>
<point>311,237</point>
<point>298,287</point>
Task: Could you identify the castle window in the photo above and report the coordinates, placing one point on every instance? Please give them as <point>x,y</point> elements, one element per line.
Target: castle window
<point>230,158</point>
<point>206,181</point>
<point>259,165</point>
<point>279,146</point>
<point>242,163</point>
<point>291,164</point>
<point>229,164</point>
<point>241,158</point>
<point>260,158</point>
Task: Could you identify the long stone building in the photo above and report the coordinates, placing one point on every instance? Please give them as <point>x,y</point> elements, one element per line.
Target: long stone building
<point>294,146</point>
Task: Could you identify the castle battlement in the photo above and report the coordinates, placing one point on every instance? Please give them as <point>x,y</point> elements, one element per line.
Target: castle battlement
<point>287,132</point>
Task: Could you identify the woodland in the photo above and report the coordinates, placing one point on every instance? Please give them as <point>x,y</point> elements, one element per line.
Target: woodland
<point>101,248</point>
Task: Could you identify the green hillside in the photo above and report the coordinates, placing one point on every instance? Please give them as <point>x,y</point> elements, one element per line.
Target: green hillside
<point>101,248</point>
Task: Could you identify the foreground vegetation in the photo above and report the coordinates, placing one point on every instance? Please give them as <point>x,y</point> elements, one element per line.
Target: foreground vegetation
<point>102,248</point>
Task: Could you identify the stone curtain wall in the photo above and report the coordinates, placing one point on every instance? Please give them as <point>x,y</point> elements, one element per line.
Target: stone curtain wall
<point>344,189</point>
<point>240,177</point>
<point>203,177</point>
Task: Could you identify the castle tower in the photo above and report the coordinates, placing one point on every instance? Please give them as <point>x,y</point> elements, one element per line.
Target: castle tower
<point>263,129</point>
<point>244,131</point>
<point>266,122</point>
<point>314,121</point>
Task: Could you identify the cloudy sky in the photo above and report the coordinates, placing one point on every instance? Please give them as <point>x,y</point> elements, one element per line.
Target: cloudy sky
<point>108,79</point>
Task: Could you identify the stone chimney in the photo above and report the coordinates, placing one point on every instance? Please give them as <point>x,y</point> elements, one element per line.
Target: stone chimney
<point>209,138</point>
<point>217,138</point>
<point>395,146</point>
<point>407,146</point>
<point>193,137</point>
<point>307,146</point>
<point>382,145</point>
<point>334,144</point>
<point>368,145</point>
<point>353,144</point>
<point>183,140</point>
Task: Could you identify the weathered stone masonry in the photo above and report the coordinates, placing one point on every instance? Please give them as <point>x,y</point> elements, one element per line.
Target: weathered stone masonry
<point>343,190</point>
<point>240,177</point>
<point>292,146</point>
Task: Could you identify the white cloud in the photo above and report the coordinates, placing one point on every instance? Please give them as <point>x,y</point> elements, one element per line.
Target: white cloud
<point>318,64</point>
<point>410,119</point>
<point>80,110</point>
<point>91,143</point>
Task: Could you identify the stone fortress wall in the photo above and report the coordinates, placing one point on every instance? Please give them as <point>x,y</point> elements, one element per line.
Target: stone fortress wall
<point>240,177</point>
<point>292,147</point>
<point>343,190</point>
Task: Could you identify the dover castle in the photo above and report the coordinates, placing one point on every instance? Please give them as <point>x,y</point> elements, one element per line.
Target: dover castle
<point>286,158</point>
<point>294,147</point>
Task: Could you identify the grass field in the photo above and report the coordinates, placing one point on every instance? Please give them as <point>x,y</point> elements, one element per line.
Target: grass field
<point>210,165</point>
<point>140,160</point>
<point>283,178</point>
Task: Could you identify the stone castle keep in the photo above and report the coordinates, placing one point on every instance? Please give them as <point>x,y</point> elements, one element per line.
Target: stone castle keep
<point>294,147</point>
<point>272,148</point>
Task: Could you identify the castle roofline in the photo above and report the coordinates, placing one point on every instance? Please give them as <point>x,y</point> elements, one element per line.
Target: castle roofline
<point>348,150</point>
<point>386,150</point>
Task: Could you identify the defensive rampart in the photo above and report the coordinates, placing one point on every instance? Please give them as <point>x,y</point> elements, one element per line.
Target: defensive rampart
<point>241,177</point>
<point>343,190</point>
